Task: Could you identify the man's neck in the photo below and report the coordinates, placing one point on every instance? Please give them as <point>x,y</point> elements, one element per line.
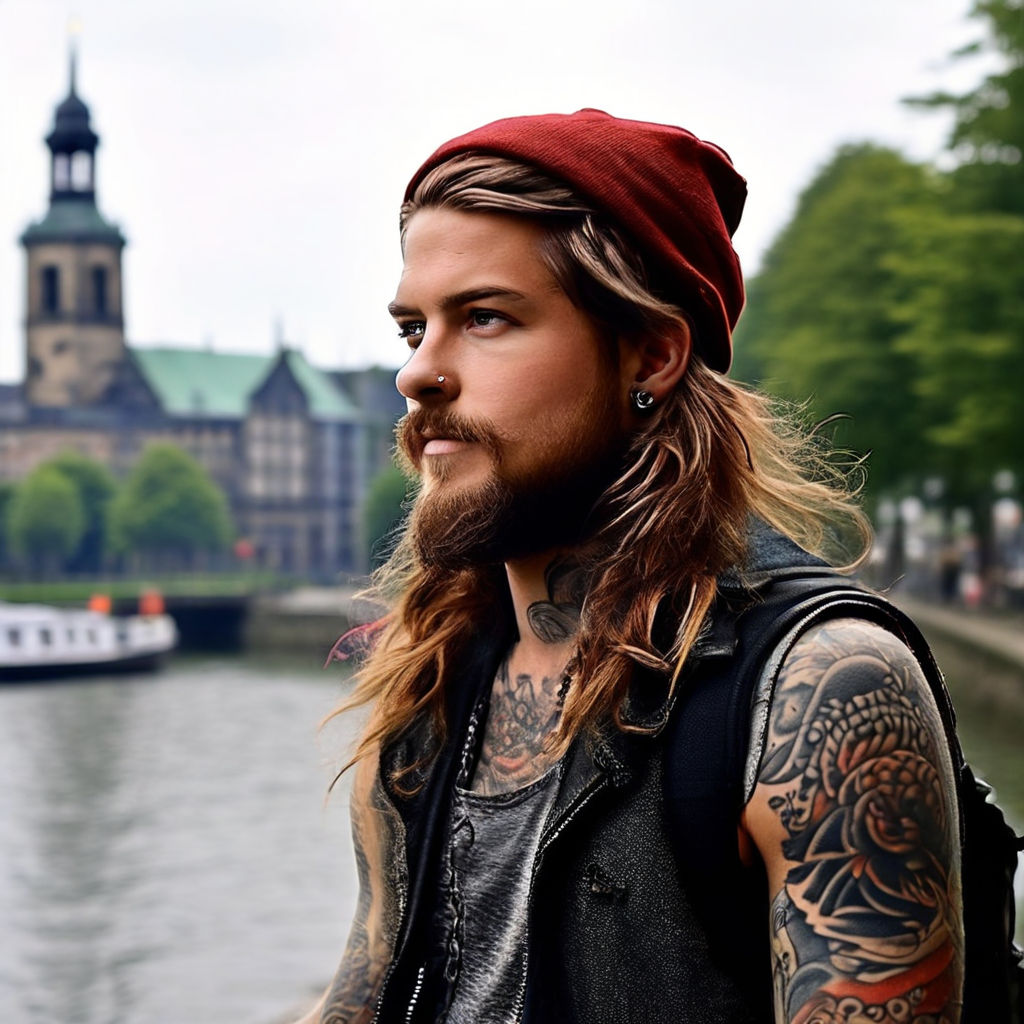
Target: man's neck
<point>530,687</point>
<point>547,594</point>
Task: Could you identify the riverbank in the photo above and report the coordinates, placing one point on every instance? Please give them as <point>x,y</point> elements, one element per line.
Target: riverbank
<point>306,621</point>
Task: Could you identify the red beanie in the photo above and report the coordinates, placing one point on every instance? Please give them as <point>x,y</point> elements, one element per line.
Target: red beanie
<point>676,198</point>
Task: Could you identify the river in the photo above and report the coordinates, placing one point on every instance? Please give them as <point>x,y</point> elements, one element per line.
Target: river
<point>167,855</point>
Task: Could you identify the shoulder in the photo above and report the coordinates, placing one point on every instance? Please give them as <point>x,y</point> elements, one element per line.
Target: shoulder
<point>855,817</point>
<point>842,679</point>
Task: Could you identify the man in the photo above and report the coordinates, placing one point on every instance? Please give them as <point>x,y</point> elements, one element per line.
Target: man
<point>599,508</point>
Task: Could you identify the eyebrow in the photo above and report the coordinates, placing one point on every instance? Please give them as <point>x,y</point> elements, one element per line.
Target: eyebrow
<point>458,299</point>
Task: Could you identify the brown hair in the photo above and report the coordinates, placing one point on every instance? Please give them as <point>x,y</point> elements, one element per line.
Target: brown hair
<point>709,458</point>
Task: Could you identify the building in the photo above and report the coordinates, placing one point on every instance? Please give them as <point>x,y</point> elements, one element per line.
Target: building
<point>288,442</point>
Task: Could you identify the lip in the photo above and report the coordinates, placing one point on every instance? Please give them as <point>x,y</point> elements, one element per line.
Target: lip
<point>443,446</point>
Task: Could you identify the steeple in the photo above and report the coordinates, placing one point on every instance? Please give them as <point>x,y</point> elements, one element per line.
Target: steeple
<point>72,143</point>
<point>74,324</point>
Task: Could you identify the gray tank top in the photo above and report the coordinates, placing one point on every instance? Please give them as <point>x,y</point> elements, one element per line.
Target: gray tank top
<point>493,843</point>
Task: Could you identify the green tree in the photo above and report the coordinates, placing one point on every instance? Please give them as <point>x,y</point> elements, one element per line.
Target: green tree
<point>964,330</point>
<point>988,121</point>
<point>7,489</point>
<point>45,520</point>
<point>96,487</point>
<point>168,510</point>
<point>383,511</point>
<point>820,324</point>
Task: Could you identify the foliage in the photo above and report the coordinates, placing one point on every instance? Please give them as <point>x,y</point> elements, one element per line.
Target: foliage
<point>988,126</point>
<point>964,331</point>
<point>383,510</point>
<point>820,325</point>
<point>45,520</point>
<point>6,494</point>
<point>168,509</point>
<point>95,486</point>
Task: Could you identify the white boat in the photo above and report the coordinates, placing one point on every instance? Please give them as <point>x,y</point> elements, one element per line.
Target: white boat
<point>38,641</point>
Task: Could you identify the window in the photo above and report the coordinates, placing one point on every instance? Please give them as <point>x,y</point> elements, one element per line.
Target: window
<point>14,637</point>
<point>46,637</point>
<point>51,289</point>
<point>61,172</point>
<point>81,172</point>
<point>99,290</point>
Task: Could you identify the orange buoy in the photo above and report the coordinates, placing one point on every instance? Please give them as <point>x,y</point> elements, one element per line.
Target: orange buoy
<point>151,602</point>
<point>100,603</point>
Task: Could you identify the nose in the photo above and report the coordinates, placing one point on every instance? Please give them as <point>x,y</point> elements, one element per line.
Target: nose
<point>422,379</point>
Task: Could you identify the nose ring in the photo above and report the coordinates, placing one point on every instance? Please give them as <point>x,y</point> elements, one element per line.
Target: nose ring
<point>440,378</point>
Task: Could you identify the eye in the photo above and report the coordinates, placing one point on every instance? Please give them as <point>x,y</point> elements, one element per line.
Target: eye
<point>487,318</point>
<point>411,330</point>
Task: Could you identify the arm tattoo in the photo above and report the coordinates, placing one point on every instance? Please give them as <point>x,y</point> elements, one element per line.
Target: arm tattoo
<point>557,619</point>
<point>352,996</point>
<point>866,926</point>
<point>522,715</point>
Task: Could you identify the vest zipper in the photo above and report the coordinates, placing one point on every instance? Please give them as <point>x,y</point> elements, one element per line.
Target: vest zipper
<point>403,906</point>
<point>585,797</point>
<point>417,988</point>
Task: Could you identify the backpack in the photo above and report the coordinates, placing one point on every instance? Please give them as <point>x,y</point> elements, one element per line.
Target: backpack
<point>717,726</point>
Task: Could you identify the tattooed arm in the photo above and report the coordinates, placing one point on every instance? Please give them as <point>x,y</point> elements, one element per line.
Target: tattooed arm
<point>351,996</point>
<point>855,816</point>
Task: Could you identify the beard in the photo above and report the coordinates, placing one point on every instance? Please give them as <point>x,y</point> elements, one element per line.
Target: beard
<point>510,515</point>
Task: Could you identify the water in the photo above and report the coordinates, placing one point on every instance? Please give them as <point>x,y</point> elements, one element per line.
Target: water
<point>166,856</point>
<point>165,852</point>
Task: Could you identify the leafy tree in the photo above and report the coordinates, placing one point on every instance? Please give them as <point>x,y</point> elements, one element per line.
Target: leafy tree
<point>820,324</point>
<point>988,123</point>
<point>964,330</point>
<point>45,520</point>
<point>383,511</point>
<point>96,487</point>
<point>168,509</point>
<point>6,494</point>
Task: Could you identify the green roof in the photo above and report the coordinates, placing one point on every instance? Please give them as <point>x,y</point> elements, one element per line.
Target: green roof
<point>198,382</point>
<point>76,219</point>
<point>326,400</point>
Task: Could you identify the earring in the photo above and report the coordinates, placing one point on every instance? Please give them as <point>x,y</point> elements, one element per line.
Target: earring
<point>643,401</point>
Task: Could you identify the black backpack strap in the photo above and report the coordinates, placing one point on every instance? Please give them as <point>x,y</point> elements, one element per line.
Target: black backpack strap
<point>707,742</point>
<point>707,752</point>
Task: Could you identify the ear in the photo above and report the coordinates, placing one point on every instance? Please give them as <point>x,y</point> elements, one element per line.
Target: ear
<point>660,360</point>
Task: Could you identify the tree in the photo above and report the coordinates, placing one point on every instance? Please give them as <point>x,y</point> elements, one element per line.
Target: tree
<point>383,511</point>
<point>169,510</point>
<point>964,331</point>
<point>6,494</point>
<point>96,487</point>
<point>820,322</point>
<point>45,520</point>
<point>988,126</point>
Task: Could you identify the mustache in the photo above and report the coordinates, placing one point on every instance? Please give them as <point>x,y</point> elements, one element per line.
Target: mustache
<point>421,425</point>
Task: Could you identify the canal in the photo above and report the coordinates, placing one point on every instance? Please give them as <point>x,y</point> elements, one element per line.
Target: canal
<point>167,855</point>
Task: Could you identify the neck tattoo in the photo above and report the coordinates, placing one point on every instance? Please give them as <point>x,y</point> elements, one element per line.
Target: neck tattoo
<point>557,619</point>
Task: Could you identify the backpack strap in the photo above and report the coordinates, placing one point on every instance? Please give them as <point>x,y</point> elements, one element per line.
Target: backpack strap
<point>704,792</point>
<point>707,742</point>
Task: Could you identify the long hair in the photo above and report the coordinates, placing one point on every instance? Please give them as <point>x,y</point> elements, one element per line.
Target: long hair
<point>710,457</point>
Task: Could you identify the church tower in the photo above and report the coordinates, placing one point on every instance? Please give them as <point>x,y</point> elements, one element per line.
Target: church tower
<point>74,327</point>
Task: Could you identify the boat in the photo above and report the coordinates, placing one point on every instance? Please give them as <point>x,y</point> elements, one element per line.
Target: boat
<point>39,641</point>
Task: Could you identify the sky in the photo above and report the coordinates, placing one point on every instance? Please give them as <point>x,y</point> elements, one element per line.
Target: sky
<point>255,153</point>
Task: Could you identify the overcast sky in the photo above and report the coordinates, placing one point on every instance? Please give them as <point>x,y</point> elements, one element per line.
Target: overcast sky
<point>254,153</point>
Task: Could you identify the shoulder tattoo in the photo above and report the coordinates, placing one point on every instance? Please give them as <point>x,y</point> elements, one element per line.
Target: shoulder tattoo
<point>857,775</point>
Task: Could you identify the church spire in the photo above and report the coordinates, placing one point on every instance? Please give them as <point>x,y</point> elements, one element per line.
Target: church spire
<point>72,143</point>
